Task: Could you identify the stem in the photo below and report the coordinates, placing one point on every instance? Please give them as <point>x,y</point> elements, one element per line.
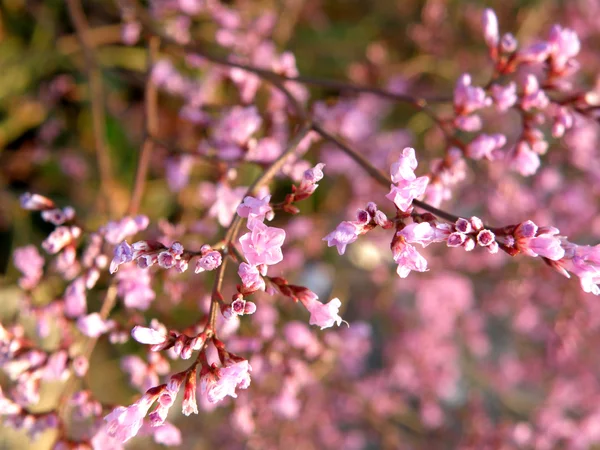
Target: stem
<point>150,130</point>
<point>94,76</point>
<point>377,174</point>
<point>234,227</point>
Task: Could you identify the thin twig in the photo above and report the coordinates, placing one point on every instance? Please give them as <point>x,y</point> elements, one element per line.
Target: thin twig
<point>150,130</point>
<point>232,231</point>
<point>94,75</point>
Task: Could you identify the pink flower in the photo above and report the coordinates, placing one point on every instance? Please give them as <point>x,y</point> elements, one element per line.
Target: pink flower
<point>534,241</point>
<point>490,28</point>
<point>123,254</point>
<point>404,168</point>
<point>504,96</point>
<point>116,232</point>
<point>238,125</point>
<point>533,96</point>
<point>324,315</point>
<point>424,233</point>
<point>408,259</point>
<point>309,181</point>
<point>148,336</point>
<point>58,216</point>
<point>468,99</point>
<point>486,146</point>
<point>218,384</point>
<point>226,203</point>
<point>537,52</point>
<point>93,326</point>
<point>60,238</point>
<point>344,234</point>
<point>584,261</point>
<point>405,192</point>
<point>30,263</point>
<point>565,45</point>
<point>251,278</point>
<point>255,209</point>
<point>210,261</point>
<point>124,423</point>
<point>75,298</point>
<point>263,244</point>
<point>35,202</point>
<point>167,434</point>
<point>524,160</point>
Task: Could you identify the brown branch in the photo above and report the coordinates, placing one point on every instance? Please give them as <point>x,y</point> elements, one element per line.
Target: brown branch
<point>150,130</point>
<point>377,174</point>
<point>201,48</point>
<point>94,76</point>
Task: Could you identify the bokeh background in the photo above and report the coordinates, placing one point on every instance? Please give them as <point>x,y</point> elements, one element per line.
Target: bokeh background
<point>508,319</point>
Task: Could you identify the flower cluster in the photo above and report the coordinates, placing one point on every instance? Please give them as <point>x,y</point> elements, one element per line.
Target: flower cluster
<point>476,350</point>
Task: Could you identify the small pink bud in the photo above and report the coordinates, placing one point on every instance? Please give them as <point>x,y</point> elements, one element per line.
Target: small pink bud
<point>456,239</point>
<point>35,202</point>
<point>485,238</point>
<point>463,226</point>
<point>476,223</point>
<point>469,244</point>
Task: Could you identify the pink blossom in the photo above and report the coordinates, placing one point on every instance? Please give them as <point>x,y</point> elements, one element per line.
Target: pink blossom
<point>116,232</point>
<point>130,32</point>
<point>564,44</point>
<point>251,278</point>
<point>123,253</point>
<point>504,96</point>
<point>226,203</point>
<point>309,181</point>
<point>210,261</point>
<point>524,160</point>
<point>407,258</point>
<point>490,28</point>
<point>538,242</point>
<point>93,325</point>
<point>537,52</point>
<point>35,202</point>
<point>124,423</point>
<point>178,171</point>
<point>262,245</point>
<point>255,209</point>
<point>189,404</point>
<point>404,168</point>
<point>75,298</point>
<point>264,150</point>
<point>403,193</point>
<point>217,385</point>
<point>468,99</point>
<point>148,336</point>
<point>424,233</point>
<point>584,262</point>
<point>134,287</point>
<point>30,263</point>
<point>344,234</point>
<point>58,216</point>
<point>60,238</point>
<point>486,146</point>
<point>167,434</point>
<point>533,96</point>
<point>238,125</point>
<point>324,315</point>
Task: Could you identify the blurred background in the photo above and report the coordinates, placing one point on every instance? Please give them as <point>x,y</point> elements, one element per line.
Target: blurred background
<point>509,315</point>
